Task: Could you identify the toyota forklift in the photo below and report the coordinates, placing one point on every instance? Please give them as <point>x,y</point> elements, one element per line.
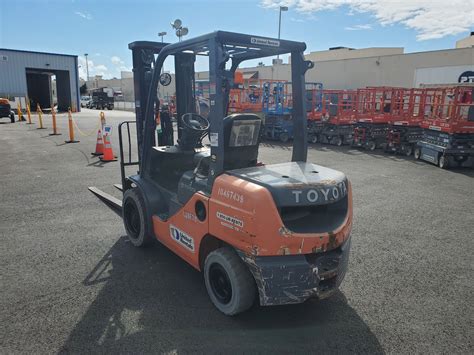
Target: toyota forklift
<point>276,232</point>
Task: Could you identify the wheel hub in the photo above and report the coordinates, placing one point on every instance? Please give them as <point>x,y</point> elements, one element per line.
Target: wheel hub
<point>220,283</point>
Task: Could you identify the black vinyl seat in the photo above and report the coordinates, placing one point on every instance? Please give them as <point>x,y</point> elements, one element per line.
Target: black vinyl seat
<point>241,133</point>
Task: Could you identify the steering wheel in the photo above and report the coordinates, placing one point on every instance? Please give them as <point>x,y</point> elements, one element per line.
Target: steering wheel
<point>195,122</point>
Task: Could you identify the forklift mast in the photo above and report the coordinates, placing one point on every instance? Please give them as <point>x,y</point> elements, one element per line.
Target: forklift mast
<point>221,48</point>
<point>143,55</point>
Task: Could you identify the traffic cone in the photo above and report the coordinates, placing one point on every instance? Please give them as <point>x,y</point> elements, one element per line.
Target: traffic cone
<point>108,152</point>
<point>99,146</point>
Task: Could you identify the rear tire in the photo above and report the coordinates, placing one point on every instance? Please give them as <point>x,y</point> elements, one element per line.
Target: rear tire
<point>371,146</point>
<point>135,218</point>
<point>229,282</point>
<point>337,141</point>
<point>12,117</point>
<point>417,153</point>
<point>313,139</point>
<point>408,150</point>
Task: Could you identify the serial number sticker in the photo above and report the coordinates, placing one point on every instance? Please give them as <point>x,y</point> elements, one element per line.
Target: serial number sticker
<point>182,238</point>
<point>230,195</point>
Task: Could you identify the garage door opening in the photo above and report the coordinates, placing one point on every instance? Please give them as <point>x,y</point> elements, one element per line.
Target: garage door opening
<point>48,88</point>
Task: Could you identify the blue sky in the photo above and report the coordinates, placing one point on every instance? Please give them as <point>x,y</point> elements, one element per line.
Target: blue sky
<point>104,28</point>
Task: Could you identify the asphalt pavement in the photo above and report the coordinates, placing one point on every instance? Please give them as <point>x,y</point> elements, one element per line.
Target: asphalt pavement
<point>71,283</point>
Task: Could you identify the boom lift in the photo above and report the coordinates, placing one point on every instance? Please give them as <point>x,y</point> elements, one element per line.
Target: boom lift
<point>279,231</point>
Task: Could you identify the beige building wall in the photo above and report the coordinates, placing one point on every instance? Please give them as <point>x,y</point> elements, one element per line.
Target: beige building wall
<point>466,42</point>
<point>348,53</point>
<point>387,70</point>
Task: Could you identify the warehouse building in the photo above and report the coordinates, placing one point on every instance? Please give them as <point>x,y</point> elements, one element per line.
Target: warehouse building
<point>41,78</point>
<point>349,68</point>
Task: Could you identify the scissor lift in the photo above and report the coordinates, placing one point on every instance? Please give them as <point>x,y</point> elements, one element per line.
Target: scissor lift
<point>373,115</point>
<point>338,117</point>
<point>407,114</point>
<point>448,128</point>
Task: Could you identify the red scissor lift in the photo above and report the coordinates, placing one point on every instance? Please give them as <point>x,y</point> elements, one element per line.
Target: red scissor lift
<point>448,127</point>
<point>245,96</point>
<point>338,113</point>
<point>373,117</point>
<point>407,112</point>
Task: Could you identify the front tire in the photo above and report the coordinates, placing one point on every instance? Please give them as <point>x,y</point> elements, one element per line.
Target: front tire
<point>371,146</point>
<point>443,162</point>
<point>12,117</point>
<point>417,153</point>
<point>229,282</point>
<point>135,218</point>
<point>284,137</point>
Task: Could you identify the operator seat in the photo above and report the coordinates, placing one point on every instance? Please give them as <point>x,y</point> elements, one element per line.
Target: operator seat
<point>241,133</point>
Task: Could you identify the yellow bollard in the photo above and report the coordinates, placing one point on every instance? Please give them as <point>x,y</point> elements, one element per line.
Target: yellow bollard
<point>40,116</point>
<point>20,114</point>
<point>28,112</point>
<point>71,128</point>
<point>55,128</point>
<point>102,121</point>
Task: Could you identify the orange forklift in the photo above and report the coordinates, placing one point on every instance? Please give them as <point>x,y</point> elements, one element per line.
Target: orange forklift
<point>276,232</point>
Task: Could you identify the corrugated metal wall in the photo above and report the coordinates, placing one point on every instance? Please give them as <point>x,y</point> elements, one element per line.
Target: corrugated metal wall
<point>13,65</point>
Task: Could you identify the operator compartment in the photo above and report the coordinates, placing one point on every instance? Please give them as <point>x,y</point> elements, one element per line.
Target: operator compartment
<point>310,198</point>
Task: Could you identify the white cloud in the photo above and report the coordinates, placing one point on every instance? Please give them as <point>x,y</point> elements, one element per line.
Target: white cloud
<point>431,19</point>
<point>359,27</point>
<point>116,60</point>
<point>84,15</point>
<point>296,19</point>
<point>94,69</point>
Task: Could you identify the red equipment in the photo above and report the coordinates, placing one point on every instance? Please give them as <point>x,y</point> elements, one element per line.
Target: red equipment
<point>447,109</point>
<point>338,113</point>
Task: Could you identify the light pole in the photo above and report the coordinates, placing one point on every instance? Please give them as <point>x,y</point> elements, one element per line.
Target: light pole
<point>162,34</point>
<point>282,8</point>
<point>87,66</point>
<point>180,30</point>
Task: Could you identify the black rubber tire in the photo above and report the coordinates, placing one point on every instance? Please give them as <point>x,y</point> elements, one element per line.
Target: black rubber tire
<point>443,161</point>
<point>12,117</point>
<point>284,137</point>
<point>243,289</point>
<point>371,146</point>
<point>417,153</point>
<point>337,141</point>
<point>408,150</point>
<point>313,139</point>
<point>135,218</point>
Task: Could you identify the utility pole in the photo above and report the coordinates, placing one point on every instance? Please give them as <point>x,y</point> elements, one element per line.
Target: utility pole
<point>282,8</point>
<point>87,66</point>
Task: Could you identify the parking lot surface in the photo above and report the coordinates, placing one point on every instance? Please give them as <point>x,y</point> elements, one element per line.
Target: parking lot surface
<point>72,283</point>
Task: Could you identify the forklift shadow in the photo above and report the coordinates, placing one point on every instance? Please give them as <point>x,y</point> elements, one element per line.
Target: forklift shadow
<point>152,301</point>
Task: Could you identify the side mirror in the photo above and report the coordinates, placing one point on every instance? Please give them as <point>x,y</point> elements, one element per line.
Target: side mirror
<point>165,79</point>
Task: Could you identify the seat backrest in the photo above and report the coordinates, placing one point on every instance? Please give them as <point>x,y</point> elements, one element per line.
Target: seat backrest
<point>241,139</point>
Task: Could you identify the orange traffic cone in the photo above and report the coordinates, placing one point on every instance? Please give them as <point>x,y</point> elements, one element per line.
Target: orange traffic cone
<point>108,152</point>
<point>99,146</point>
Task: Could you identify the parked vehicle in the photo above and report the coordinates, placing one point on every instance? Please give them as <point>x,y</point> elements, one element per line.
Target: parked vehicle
<point>101,101</point>
<point>279,232</point>
<point>85,100</point>
<point>6,110</point>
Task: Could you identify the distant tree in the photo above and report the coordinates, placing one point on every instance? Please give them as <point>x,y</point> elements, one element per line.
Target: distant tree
<point>83,89</point>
